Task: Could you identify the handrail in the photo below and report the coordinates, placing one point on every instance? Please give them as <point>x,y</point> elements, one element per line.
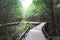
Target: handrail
<point>23,34</point>
<point>46,34</point>
<point>8,24</point>
<point>15,23</point>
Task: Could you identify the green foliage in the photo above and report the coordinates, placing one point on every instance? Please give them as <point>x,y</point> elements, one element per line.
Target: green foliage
<point>17,11</point>
<point>56,38</point>
<point>26,25</point>
<point>16,30</point>
<point>36,7</point>
<point>12,31</point>
<point>10,10</point>
<point>48,3</point>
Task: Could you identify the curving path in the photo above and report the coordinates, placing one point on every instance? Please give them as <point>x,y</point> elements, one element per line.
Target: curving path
<point>36,33</point>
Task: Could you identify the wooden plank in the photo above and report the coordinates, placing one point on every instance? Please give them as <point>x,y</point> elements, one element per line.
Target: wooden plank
<point>36,33</point>
<point>46,34</point>
<point>23,34</point>
<point>15,23</point>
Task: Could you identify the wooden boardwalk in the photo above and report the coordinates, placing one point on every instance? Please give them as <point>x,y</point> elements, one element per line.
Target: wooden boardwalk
<point>36,33</point>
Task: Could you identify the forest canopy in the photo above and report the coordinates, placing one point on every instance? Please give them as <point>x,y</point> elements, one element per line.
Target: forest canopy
<point>36,7</point>
<point>10,10</point>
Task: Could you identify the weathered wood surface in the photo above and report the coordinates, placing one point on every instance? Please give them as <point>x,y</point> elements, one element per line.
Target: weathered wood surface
<point>14,23</point>
<point>36,33</point>
<point>45,32</point>
<point>23,35</point>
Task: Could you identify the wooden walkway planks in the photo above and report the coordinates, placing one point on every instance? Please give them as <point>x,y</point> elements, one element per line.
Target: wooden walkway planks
<point>36,33</point>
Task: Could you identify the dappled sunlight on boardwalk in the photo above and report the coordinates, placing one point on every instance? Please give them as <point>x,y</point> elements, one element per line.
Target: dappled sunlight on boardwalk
<point>36,33</point>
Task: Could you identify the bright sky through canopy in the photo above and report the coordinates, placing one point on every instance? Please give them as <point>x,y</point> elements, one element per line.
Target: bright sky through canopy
<point>26,3</point>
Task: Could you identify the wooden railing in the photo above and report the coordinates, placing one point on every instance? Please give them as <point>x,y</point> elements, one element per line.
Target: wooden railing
<point>3,37</point>
<point>15,23</point>
<point>24,34</point>
<point>8,24</point>
<point>46,34</point>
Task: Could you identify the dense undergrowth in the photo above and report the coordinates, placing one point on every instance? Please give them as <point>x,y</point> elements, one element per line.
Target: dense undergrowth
<point>16,30</point>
